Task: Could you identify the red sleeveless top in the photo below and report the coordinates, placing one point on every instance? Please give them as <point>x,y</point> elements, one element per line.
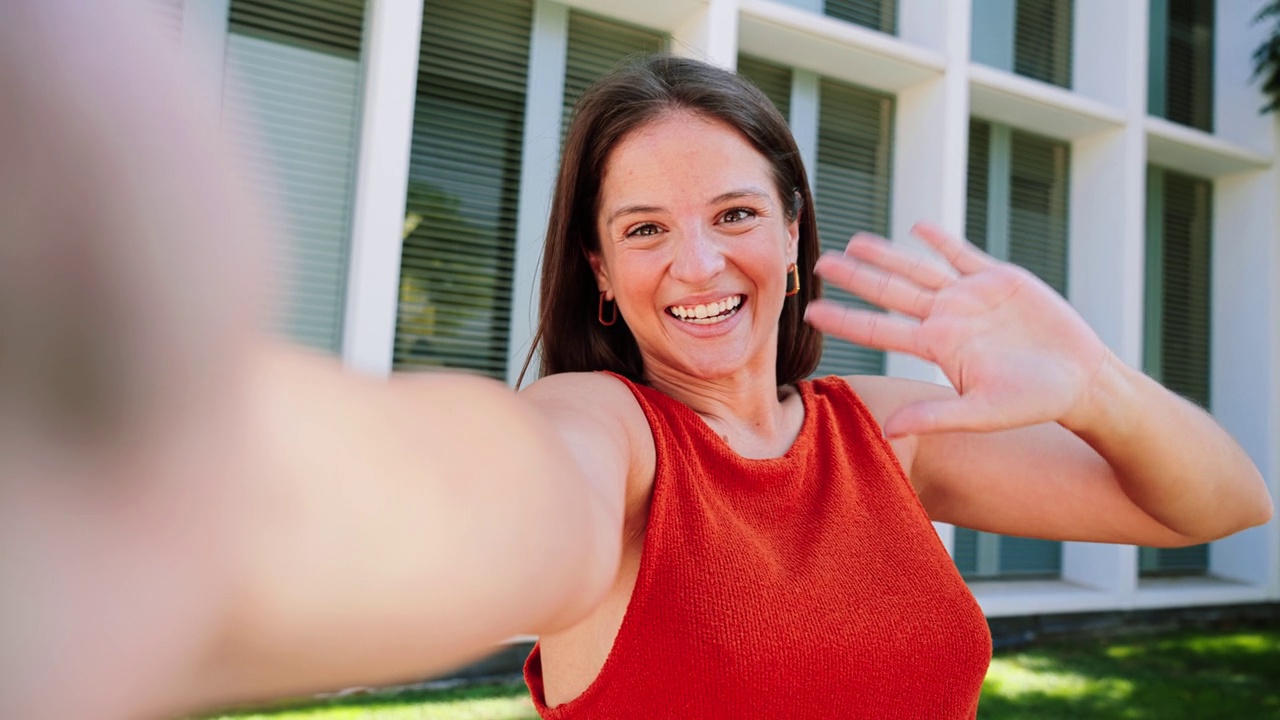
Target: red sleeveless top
<point>807,586</point>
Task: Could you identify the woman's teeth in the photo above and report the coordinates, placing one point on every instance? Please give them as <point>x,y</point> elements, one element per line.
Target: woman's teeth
<point>708,314</point>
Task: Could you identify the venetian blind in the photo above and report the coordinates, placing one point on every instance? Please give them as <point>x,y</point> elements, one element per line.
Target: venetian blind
<point>1038,183</point>
<point>975,218</point>
<point>1183,330</point>
<point>1185,288</point>
<point>772,79</point>
<point>597,46</point>
<point>1188,88</point>
<point>1036,233</point>
<point>1038,188</point>
<point>294,78</point>
<point>879,15</point>
<point>1042,40</point>
<point>852,188</point>
<point>464,172</point>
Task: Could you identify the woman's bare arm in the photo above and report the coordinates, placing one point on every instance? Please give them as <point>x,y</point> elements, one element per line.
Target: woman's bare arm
<point>1047,433</point>
<point>1151,469</point>
<point>390,530</point>
<point>192,514</point>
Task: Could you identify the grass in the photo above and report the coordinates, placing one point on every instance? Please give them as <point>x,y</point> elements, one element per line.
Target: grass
<point>1187,675</point>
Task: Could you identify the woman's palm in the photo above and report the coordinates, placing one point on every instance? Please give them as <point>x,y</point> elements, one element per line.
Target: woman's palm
<point>1015,350</point>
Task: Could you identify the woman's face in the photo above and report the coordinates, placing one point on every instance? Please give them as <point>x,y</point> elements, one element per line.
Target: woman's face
<point>694,247</point>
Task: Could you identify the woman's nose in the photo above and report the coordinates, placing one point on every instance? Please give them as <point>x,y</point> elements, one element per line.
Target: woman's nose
<point>698,257</point>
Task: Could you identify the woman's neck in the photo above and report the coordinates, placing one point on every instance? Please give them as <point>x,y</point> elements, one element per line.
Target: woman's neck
<point>755,417</point>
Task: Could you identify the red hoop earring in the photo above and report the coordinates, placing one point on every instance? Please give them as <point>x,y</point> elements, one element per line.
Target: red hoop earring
<point>613,318</point>
<point>793,280</point>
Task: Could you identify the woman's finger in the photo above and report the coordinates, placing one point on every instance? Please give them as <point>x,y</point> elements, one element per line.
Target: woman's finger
<point>888,290</point>
<point>865,327</point>
<point>915,266</point>
<point>962,255</point>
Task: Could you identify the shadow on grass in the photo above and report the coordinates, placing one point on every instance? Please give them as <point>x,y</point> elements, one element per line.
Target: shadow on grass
<point>1187,675</point>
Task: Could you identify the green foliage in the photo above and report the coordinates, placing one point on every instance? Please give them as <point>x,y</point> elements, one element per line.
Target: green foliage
<point>1266,59</point>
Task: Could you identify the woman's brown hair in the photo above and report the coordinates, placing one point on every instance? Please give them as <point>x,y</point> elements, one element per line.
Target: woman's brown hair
<point>569,335</point>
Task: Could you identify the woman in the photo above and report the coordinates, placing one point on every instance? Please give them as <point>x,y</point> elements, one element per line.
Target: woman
<point>776,562</point>
<point>229,519</point>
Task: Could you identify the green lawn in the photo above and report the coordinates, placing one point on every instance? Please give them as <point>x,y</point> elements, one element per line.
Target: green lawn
<point>1165,677</point>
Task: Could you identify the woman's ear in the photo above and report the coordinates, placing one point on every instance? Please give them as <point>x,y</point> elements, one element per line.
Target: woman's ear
<point>793,238</point>
<point>602,275</point>
<point>793,227</point>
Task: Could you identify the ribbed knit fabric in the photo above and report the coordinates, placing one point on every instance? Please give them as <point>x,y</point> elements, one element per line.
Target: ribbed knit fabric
<point>807,586</point>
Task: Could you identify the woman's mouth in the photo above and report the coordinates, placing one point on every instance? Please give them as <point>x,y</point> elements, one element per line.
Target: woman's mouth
<point>709,313</point>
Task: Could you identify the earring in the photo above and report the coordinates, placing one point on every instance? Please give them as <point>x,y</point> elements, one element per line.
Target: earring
<point>793,280</point>
<point>613,318</point>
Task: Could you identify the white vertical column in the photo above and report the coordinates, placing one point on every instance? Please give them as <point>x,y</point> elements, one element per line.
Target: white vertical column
<point>805,106</point>
<point>1106,270</point>
<point>1244,356</point>
<point>710,34</point>
<point>1245,364</point>
<point>930,154</point>
<point>544,103</point>
<point>392,33</point>
<point>931,143</point>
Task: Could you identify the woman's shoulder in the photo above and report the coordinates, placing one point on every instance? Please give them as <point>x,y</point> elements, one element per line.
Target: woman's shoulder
<point>595,394</point>
<point>883,395</point>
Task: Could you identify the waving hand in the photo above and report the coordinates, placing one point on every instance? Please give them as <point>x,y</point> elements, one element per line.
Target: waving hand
<point>1014,349</point>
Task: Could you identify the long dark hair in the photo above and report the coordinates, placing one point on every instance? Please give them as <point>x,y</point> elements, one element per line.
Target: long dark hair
<point>570,336</point>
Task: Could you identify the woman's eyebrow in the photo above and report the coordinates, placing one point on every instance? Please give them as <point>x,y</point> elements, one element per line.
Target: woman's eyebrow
<point>747,192</point>
<point>632,210</point>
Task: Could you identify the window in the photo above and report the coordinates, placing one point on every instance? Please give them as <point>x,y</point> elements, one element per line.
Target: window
<point>1177,331</point>
<point>1180,86</point>
<point>295,69</point>
<point>596,46</point>
<point>464,173</point>
<point>1029,37</point>
<point>1017,211</point>
<point>879,15</point>
<point>852,194</point>
<point>773,80</point>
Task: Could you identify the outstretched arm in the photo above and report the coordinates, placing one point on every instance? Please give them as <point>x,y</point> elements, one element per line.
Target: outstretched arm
<point>1047,434</point>
<point>191,513</point>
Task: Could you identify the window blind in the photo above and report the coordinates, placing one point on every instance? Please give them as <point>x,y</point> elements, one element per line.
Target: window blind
<point>294,77</point>
<point>976,197</point>
<point>772,79</point>
<point>464,172</point>
<point>1042,40</point>
<point>597,46</point>
<point>852,188</point>
<point>1034,235</point>
<point>1178,340</point>
<point>1188,86</point>
<point>879,15</point>
<point>1038,207</point>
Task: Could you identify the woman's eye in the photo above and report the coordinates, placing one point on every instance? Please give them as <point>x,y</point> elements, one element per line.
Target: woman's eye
<point>645,230</point>
<point>737,215</point>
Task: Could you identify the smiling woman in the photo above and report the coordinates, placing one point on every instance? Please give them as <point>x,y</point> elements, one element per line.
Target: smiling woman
<point>193,512</point>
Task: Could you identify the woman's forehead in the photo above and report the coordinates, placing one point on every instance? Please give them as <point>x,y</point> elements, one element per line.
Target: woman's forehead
<point>682,155</point>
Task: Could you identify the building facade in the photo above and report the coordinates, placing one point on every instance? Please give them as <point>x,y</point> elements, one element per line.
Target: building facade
<point>1115,149</point>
